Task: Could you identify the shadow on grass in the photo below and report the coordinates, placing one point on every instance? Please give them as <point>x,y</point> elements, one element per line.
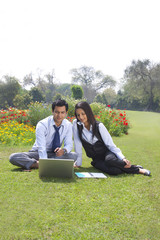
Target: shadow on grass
<point>75,178</point>
<point>17,170</point>
<point>92,169</point>
<point>58,180</point>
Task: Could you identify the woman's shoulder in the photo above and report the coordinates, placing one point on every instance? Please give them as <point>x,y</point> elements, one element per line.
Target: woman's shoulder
<point>99,124</point>
<point>75,121</point>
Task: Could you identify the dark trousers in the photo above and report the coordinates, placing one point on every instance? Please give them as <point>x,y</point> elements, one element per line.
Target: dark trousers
<point>112,165</point>
<point>26,159</point>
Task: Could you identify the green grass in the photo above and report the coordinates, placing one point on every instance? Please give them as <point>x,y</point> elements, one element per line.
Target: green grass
<point>119,207</point>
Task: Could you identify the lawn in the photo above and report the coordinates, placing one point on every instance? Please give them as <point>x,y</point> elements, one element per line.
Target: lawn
<point>119,207</point>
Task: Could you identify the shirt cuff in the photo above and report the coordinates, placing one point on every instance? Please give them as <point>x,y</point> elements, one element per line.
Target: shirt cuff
<point>79,161</point>
<point>42,154</point>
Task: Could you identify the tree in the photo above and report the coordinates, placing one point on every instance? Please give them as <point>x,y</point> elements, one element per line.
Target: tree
<point>45,83</point>
<point>64,89</point>
<point>91,81</point>
<point>83,75</point>
<point>77,92</point>
<point>28,80</point>
<point>21,101</point>
<point>9,88</point>
<point>87,76</point>
<point>101,99</point>
<point>142,84</point>
<point>106,81</point>
<point>36,95</point>
<point>108,96</point>
<point>57,96</point>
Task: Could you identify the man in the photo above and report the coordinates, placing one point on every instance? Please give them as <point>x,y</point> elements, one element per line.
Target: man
<point>51,132</point>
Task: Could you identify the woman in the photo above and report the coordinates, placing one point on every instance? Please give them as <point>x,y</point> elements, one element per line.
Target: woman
<point>98,144</point>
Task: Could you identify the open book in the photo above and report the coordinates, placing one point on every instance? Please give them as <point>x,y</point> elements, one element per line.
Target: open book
<point>90,175</point>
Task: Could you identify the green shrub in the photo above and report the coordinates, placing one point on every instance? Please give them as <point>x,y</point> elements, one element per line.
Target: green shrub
<point>77,92</point>
<point>115,121</point>
<point>97,107</point>
<point>71,105</point>
<point>38,111</point>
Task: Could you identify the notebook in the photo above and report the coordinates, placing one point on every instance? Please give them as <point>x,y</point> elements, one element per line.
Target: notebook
<point>52,167</point>
<point>90,175</point>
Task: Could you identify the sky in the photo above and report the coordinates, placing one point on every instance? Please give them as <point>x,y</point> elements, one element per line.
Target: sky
<point>40,35</point>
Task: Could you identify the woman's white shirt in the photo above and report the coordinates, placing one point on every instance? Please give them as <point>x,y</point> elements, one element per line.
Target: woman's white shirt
<point>87,135</point>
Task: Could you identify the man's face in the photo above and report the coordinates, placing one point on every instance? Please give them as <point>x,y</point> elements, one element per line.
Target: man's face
<point>59,114</point>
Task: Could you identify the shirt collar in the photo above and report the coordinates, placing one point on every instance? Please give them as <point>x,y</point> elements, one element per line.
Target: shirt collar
<point>80,123</point>
<point>53,122</point>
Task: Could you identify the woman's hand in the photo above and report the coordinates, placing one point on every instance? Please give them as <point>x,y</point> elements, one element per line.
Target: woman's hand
<point>128,164</point>
<point>75,166</point>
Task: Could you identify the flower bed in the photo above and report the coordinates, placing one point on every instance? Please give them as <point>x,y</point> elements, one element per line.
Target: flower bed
<point>14,133</point>
<point>115,121</point>
<point>16,129</point>
<point>21,116</point>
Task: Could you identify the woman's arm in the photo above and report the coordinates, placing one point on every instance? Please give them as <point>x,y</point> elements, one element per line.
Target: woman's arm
<point>77,144</point>
<point>107,139</point>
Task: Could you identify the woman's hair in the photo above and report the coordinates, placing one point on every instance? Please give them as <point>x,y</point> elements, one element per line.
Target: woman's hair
<point>88,111</point>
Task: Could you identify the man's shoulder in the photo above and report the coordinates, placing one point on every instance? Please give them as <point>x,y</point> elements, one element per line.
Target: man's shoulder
<point>66,122</point>
<point>46,120</point>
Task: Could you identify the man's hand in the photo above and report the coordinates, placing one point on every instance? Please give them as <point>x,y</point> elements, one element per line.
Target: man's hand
<point>59,152</point>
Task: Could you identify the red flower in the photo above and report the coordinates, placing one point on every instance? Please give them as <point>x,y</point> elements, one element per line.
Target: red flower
<point>108,105</point>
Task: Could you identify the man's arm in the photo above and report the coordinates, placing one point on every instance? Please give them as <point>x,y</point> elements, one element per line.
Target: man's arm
<point>41,140</point>
<point>68,142</point>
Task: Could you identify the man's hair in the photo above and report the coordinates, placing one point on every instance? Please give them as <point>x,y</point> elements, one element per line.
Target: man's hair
<point>60,103</point>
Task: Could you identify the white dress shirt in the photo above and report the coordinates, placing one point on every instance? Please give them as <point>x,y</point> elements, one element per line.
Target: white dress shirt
<point>45,132</point>
<point>87,135</point>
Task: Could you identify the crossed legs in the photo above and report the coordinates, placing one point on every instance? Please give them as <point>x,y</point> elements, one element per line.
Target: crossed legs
<point>28,160</point>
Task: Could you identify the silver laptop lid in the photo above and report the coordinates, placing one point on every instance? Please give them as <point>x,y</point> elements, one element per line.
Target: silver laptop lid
<point>50,167</point>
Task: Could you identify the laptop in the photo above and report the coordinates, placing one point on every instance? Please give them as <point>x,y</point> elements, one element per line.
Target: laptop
<point>52,167</point>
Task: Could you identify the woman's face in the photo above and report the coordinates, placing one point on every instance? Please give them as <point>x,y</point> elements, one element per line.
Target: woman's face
<point>81,115</point>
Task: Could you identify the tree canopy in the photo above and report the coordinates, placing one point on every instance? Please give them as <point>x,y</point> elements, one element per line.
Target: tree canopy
<point>9,88</point>
<point>141,88</point>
